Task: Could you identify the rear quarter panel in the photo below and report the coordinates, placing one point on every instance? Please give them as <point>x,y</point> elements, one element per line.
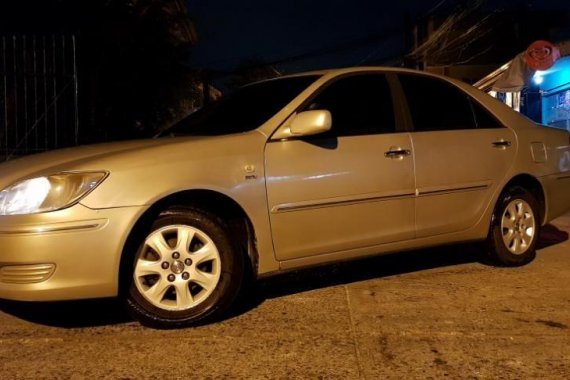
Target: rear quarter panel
<point>552,170</point>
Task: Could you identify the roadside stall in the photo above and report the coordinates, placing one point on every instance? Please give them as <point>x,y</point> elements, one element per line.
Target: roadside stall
<point>535,83</point>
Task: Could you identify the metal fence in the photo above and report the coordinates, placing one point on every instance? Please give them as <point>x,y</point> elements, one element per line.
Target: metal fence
<point>38,94</point>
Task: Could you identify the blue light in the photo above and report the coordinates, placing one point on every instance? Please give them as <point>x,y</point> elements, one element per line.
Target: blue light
<point>556,77</point>
<point>538,77</point>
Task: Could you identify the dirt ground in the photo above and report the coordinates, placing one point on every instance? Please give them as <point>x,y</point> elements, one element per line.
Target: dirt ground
<point>436,313</point>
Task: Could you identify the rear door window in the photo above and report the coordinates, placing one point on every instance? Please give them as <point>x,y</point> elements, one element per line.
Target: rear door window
<point>436,105</point>
<point>483,118</point>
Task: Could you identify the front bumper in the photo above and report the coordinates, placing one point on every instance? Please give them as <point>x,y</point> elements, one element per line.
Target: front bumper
<point>69,254</point>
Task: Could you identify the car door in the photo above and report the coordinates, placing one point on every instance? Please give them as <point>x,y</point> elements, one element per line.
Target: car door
<point>461,152</point>
<point>351,187</point>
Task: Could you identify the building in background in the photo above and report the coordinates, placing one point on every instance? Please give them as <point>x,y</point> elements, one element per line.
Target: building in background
<point>554,87</point>
<point>470,41</point>
<point>541,94</point>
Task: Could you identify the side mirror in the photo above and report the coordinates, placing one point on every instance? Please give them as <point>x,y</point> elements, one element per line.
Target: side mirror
<point>311,123</point>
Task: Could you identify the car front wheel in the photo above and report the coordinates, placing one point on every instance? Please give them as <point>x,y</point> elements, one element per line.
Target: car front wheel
<point>515,228</point>
<point>185,272</point>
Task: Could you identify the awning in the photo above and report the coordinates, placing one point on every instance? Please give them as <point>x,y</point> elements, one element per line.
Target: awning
<point>514,75</point>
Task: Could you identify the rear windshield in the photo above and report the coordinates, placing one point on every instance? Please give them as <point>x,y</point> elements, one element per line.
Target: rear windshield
<point>245,109</point>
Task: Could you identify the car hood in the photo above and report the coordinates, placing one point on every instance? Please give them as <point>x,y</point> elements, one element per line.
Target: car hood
<point>106,156</point>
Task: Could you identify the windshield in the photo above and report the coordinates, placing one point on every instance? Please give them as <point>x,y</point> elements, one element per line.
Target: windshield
<point>243,110</point>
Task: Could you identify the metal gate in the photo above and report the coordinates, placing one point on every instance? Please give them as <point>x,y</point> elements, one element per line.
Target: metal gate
<point>38,93</point>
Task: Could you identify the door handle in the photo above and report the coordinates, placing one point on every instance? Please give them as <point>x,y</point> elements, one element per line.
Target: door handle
<point>502,144</point>
<point>397,153</point>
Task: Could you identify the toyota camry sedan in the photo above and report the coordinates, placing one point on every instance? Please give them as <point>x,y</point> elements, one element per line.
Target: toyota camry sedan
<point>282,174</point>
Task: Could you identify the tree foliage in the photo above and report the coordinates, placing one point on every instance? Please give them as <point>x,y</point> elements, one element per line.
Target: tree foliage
<point>136,54</point>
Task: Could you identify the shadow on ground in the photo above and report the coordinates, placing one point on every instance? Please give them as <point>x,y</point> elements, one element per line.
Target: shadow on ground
<point>91,313</point>
<point>550,235</point>
<point>69,314</point>
<point>376,267</point>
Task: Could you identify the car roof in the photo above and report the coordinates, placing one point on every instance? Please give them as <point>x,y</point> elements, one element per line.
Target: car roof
<point>348,70</point>
<point>503,113</point>
<point>344,70</point>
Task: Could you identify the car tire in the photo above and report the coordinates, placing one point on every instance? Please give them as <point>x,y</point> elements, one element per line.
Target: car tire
<point>187,270</point>
<point>515,228</point>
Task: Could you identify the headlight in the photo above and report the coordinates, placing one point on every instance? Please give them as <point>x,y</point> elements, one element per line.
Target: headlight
<point>49,193</point>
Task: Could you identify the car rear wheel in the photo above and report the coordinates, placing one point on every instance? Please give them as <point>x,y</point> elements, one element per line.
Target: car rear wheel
<point>186,270</point>
<point>515,228</point>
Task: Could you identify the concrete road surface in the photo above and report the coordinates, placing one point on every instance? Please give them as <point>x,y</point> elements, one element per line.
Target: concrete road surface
<point>436,313</point>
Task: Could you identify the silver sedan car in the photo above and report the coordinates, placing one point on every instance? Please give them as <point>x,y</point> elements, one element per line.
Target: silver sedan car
<point>282,174</point>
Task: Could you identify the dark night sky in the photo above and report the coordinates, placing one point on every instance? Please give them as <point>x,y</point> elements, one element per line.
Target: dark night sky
<point>232,31</point>
<point>324,32</point>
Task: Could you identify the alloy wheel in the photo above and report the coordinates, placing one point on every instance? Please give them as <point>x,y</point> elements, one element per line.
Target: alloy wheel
<point>178,267</point>
<point>518,226</point>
